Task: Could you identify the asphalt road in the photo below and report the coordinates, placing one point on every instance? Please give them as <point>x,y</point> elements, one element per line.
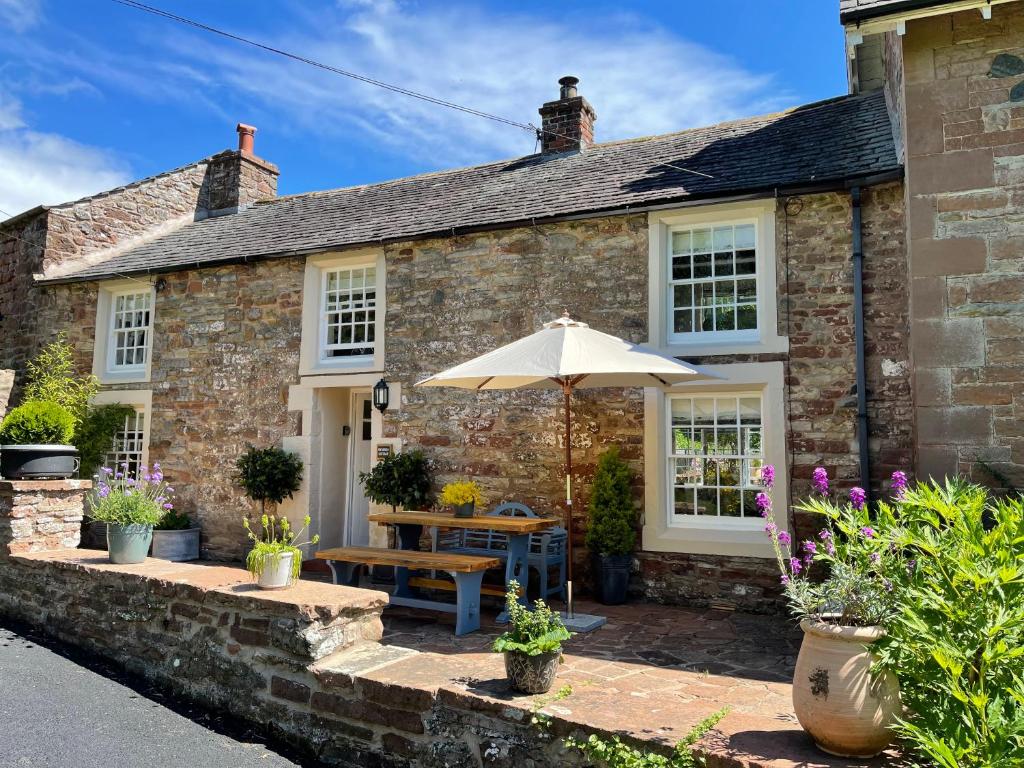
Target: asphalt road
<point>60,709</point>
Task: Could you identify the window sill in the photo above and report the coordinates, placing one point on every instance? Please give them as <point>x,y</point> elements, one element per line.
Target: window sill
<point>708,539</point>
<point>124,377</point>
<point>713,347</point>
<point>363,364</point>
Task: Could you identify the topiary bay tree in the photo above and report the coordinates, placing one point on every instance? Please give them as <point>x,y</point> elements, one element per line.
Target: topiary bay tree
<point>611,533</point>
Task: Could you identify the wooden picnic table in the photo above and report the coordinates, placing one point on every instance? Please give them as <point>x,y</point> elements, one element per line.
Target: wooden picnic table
<point>410,526</point>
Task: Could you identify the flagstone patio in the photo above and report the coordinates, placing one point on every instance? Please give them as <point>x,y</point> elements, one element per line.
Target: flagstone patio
<point>651,673</point>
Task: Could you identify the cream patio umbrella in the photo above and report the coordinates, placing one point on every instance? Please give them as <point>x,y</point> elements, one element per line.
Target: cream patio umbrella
<point>568,355</point>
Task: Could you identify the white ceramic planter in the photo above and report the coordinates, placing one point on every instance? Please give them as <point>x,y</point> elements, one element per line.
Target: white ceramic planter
<point>846,711</point>
<point>277,574</point>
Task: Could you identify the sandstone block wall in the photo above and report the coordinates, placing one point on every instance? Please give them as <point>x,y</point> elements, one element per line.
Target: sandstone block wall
<point>965,198</point>
<point>40,515</point>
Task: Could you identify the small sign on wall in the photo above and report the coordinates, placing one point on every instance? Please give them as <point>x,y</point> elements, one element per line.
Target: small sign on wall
<point>384,452</point>
<point>385,448</point>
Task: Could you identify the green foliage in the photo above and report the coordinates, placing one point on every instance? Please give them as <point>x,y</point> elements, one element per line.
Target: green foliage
<point>400,480</point>
<point>612,753</point>
<point>956,642</point>
<point>120,498</point>
<point>51,377</point>
<point>173,520</point>
<point>269,474</point>
<point>37,422</point>
<point>95,434</point>
<point>612,528</point>
<point>531,632</point>
<point>275,539</point>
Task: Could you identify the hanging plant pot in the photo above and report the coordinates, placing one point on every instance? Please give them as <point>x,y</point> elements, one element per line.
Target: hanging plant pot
<point>38,462</point>
<point>128,544</point>
<point>847,711</point>
<point>532,674</point>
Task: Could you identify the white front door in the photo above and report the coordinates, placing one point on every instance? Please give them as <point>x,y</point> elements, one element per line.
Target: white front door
<point>358,527</point>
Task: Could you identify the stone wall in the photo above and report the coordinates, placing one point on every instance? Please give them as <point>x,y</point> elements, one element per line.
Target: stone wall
<point>965,197</point>
<point>40,515</point>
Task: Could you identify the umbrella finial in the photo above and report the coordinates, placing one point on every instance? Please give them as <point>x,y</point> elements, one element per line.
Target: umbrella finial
<point>565,321</point>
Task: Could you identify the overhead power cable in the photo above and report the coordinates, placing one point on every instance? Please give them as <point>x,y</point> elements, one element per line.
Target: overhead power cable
<point>538,132</point>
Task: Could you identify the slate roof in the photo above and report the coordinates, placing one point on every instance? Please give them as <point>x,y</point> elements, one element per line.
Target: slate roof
<point>826,142</point>
<point>861,10</point>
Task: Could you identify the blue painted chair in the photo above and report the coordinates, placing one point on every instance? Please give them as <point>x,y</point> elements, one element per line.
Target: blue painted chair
<point>547,548</point>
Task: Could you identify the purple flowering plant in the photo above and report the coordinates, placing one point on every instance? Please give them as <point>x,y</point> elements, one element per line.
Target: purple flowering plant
<point>124,497</point>
<point>842,576</point>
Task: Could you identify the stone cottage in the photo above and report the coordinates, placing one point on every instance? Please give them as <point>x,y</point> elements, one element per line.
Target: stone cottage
<point>851,268</point>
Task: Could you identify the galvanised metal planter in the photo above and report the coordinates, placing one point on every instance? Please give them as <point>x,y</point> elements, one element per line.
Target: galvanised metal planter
<point>177,546</point>
<point>38,462</point>
<point>127,544</point>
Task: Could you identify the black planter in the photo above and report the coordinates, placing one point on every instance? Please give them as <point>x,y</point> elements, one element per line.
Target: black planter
<point>38,462</point>
<point>611,578</point>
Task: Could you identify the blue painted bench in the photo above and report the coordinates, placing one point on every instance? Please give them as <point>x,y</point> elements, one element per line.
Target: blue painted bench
<point>547,549</point>
<point>466,570</point>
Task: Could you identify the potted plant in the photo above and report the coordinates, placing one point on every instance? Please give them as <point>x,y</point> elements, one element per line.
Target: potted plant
<point>175,536</point>
<point>275,558</point>
<point>848,708</point>
<point>269,474</point>
<point>35,442</point>
<point>130,506</point>
<point>462,497</point>
<point>532,646</point>
<point>400,480</point>
<point>611,533</point>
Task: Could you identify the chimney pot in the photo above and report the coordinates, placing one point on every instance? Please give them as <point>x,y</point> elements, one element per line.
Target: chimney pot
<point>246,137</point>
<point>569,84</point>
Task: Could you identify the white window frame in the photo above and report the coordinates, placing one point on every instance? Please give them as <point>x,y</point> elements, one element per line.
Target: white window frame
<point>104,347</point>
<point>661,225</point>
<point>664,531</point>
<point>312,360</point>
<point>139,399</point>
<point>676,520</point>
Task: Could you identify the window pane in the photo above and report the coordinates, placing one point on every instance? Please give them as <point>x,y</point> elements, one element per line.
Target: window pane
<point>745,237</point>
<point>702,241</point>
<point>682,411</point>
<point>746,290</point>
<point>702,265</point>
<point>723,264</point>
<point>684,501</point>
<point>746,317</point>
<point>707,319</point>
<point>683,322</point>
<point>730,502</point>
<point>681,242</point>
<point>682,295</point>
<point>681,268</point>
<point>703,411</point>
<point>723,240</point>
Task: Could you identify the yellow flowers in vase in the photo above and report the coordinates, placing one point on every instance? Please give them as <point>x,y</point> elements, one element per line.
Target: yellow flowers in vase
<point>462,497</point>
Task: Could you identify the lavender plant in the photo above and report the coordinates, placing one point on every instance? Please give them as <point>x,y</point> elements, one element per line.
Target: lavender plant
<point>855,563</point>
<point>123,497</point>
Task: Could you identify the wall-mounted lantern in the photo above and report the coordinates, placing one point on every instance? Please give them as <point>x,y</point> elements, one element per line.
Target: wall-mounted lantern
<point>381,395</point>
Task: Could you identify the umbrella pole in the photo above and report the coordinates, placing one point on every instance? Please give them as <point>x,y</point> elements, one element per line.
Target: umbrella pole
<point>567,390</point>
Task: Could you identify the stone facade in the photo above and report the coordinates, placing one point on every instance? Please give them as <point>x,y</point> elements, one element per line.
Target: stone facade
<point>227,346</point>
<point>965,199</point>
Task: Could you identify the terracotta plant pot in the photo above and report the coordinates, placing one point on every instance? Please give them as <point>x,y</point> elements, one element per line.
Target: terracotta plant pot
<point>846,710</point>
<point>532,674</point>
<point>276,574</point>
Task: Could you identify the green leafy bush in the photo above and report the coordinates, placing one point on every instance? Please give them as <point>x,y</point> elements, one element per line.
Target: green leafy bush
<point>173,520</point>
<point>51,377</point>
<point>612,527</point>
<point>37,422</point>
<point>400,480</point>
<point>956,642</point>
<point>532,632</point>
<point>269,474</point>
<point>95,434</point>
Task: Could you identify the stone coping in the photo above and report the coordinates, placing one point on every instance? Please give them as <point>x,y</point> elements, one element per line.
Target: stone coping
<point>311,600</point>
<point>28,486</point>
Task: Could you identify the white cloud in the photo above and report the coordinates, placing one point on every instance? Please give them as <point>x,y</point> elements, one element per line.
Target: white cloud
<point>641,79</point>
<point>19,15</point>
<point>48,168</point>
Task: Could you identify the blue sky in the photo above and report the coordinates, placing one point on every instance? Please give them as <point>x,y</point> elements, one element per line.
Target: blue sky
<point>93,94</point>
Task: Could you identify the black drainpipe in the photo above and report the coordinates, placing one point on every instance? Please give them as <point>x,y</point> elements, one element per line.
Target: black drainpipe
<point>858,329</point>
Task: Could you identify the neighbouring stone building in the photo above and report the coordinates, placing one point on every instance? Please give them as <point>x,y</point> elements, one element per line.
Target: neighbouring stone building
<point>227,315</point>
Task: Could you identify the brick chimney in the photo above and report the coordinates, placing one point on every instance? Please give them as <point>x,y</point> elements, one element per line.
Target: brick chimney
<point>236,178</point>
<point>567,124</point>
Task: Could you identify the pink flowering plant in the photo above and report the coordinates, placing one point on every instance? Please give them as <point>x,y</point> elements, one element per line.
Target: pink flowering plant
<point>123,497</point>
<point>843,575</point>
